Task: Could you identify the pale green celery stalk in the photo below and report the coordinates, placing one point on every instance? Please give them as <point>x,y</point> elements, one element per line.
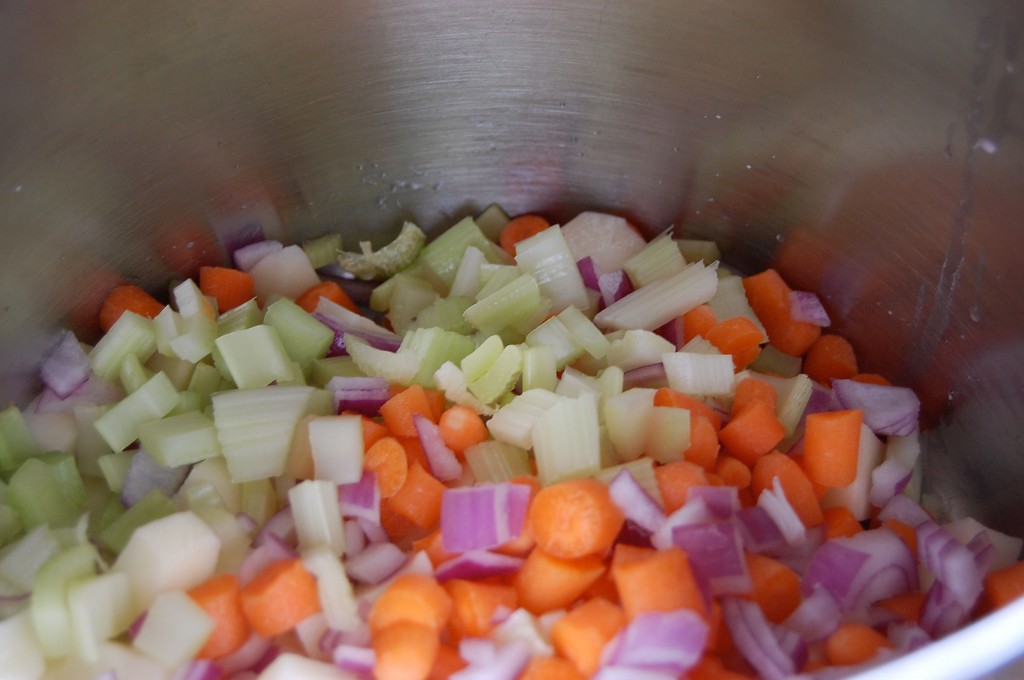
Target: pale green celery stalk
<point>730,300</point>
<point>450,380</point>
<point>166,327</point>
<point>636,348</point>
<point>222,369</point>
<point>539,368</point>
<point>323,250</point>
<point>586,333</point>
<point>304,338</point>
<point>508,306</point>
<point>47,490</point>
<point>445,313</point>
<point>187,403</point>
<point>211,476</point>
<point>771,360</point>
<point>500,377</point>
<point>100,608</point>
<point>467,281</point>
<point>694,250</point>
<point>10,525</point>
<point>318,524</point>
<point>153,506</point>
<point>98,522</point>
<point>514,422</point>
<point>395,367</point>
<point>525,325</point>
<point>443,255</point>
<point>494,276</point>
<point>656,304</point>
<point>380,297</point>
<point>119,426</point>
<point>180,439</point>
<point>546,256</point>
<point>668,434</point>
<point>627,417</point>
<point>174,630</point>
<point>205,381</point>
<point>642,470</point>
<point>255,427</point>
<point>792,395</point>
<point>90,444</point>
<point>49,606</point>
<point>323,370</point>
<point>16,441</point>
<point>256,357</point>
<point>241,317</point>
<point>492,461</point>
<point>566,440</point>
<point>574,383</point>
<point>700,374</point>
<point>409,297</point>
<point>699,345</point>
<point>21,561</point>
<point>258,499</point>
<point>434,346</point>
<point>492,220</point>
<point>476,363</point>
<point>334,588</point>
<point>191,302</point>
<point>131,334</point>
<point>196,340</point>
<point>553,333</point>
<point>610,382</point>
<point>133,374</point>
<point>178,371</point>
<point>659,259</point>
<point>114,467</point>
<point>235,539</point>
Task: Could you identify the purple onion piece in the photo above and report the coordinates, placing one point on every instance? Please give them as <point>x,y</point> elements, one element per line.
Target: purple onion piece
<point>817,615</point>
<point>590,272</point>
<point>755,639</point>
<point>722,501</point>
<point>670,641</point>
<point>759,531</point>
<point>716,556</point>
<point>652,375</point>
<point>361,499</point>
<point>888,479</point>
<point>634,501</point>
<point>806,307</point>
<point>887,409</point>
<point>248,256</point>
<point>614,286</point>
<point>145,475</point>
<point>478,564</point>
<point>66,367</point>
<point>442,460</point>
<point>376,563</point>
<point>482,516</point>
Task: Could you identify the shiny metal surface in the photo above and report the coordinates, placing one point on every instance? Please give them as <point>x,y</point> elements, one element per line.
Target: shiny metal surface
<point>872,151</point>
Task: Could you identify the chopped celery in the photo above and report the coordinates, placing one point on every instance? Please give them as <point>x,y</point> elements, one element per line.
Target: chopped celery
<point>205,381</point>
<point>514,422</point>
<point>191,302</point>
<point>188,402</point>
<point>493,461</point>
<point>130,334</point>
<point>694,250</point>
<point>243,316</point>
<point>574,383</point>
<point>53,430</point>
<point>467,281</point>
<point>336,444</point>
<point>668,434</point>
<point>638,348</point>
<point>20,655</point>
<point>659,259</point>
<point>540,370</point>
<point>586,333</point>
<point>133,374</point>
<point>119,426</point>
<point>258,499</point>
<point>610,381</point>
<point>434,346</point>
<point>450,379</point>
<point>654,305</point>
<point>314,504</point>
<point>730,300</point>
<point>792,395</point>
<point>325,369</point>
<point>546,256</point>
<point>476,363</point>
<point>389,259</point>
<point>334,588</point>
<point>553,333</point>
<point>642,470</point>
<point>166,327</point>
<point>771,360</point>
<point>283,273</point>
<point>700,374</point>
<point>566,440</point>
<point>22,560</point>
<point>47,490</point>
<point>396,367</point>
<point>153,506</point>
<point>180,440</point>
<point>494,276</point>
<point>178,371</point>
<point>16,441</point>
<point>492,220</point>
<point>174,630</point>
<point>256,357</point>
<point>445,313</point>
<point>507,306</point>
<point>114,467</point>
<point>500,377</point>
<point>100,608</point>
<point>210,481</point>
<point>380,297</point>
<point>443,255</point>
<point>235,538</point>
<point>196,340</point>
<point>700,345</point>
<point>49,606</point>
<point>304,338</point>
<point>627,417</point>
<point>99,521</point>
<point>10,525</point>
<point>323,250</point>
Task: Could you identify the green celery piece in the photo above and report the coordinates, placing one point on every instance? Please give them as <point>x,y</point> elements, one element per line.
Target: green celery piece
<point>771,360</point>
<point>500,377</point>
<point>445,313</point>
<point>153,506</point>
<point>388,260</point>
<point>256,357</point>
<point>178,371</point>
<point>380,298</point>
<point>730,300</point>
<point>16,441</point>
<point>539,368</point>
<point>642,470</point>
<point>114,467</point>
<point>47,490</point>
<point>492,220</point>
<point>119,426</point>
<point>434,346</point>
<point>509,305</point>
<point>585,332</point>
<point>694,249</point>
<point>443,255</point>
<point>10,525</point>
<point>323,250</point>
<point>48,606</point>
<point>410,296</point>
<point>553,333</point>
<point>476,363</point>
<point>133,374</point>
<point>180,440</point>
<point>331,367</point>
<point>492,461</point>
<point>566,440</point>
<point>494,276</point>
<point>187,402</point>
<point>204,382</point>
<point>98,522</point>
<point>196,340</point>
<point>304,338</point>
<point>166,327</point>
<point>547,258</point>
<point>658,259</point>
<point>259,499</point>
<point>131,334</point>
<point>241,317</point>
<point>395,367</point>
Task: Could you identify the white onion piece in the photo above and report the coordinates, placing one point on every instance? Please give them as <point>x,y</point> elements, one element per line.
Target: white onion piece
<point>907,636</point>
<point>904,510</point>
<point>887,480</point>
<point>200,669</point>
<point>692,512</point>
<point>613,286</point>
<point>355,539</point>
<point>492,661</point>
<point>356,659</point>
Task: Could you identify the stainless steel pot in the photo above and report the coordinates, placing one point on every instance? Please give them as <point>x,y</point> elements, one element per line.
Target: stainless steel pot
<point>871,151</point>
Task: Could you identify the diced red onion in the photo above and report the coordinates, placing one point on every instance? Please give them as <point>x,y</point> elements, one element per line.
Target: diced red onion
<point>200,669</point>
<point>904,510</point>
<point>820,401</point>
<point>670,641</point>
<point>983,550</point>
<point>834,567</point>
<point>66,367</point>
<point>652,375</point>
<point>340,319</point>
<point>354,659</point>
<point>145,474</point>
<point>692,512</point>
<point>629,673</point>
<point>248,256</point>
<point>888,479</point>
<point>590,272</point>
<point>716,556</point>
<point>942,612</point>
<point>271,549</point>
<point>281,524</point>
<point>373,531</point>
<point>504,661</point>
<point>362,395</point>
<point>376,563</point>
<point>817,615</point>
<point>777,506</point>
<point>798,557</point>
<point>634,501</point>
<point>241,236</point>
<point>483,516</point>
<point>951,562</point>
<point>478,564</point>
<point>722,501</point>
<point>361,499</point>
<point>755,640</point>
<point>908,636</point>
<point>359,637</point>
<point>792,644</point>
<point>674,331</point>
<point>94,391</point>
<point>442,460</point>
<point>887,409</point>
<point>614,286</point>
<point>246,522</point>
<point>355,539</point>
<point>806,307</point>
<point>759,531</point>
<point>136,625</point>
<point>245,657</point>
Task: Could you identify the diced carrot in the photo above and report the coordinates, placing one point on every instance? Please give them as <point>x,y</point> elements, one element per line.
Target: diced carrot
<point>575,519</point>
<point>387,460</point>
<point>733,471</point>
<point>432,545</point>
<point>655,580</point>
<point>719,637</point>
<point>545,583</point>
<point>674,482</point>
<point>550,668</point>
<point>712,668</point>
<point>398,528</point>
<point>437,403</point>
<point>840,522</point>
<point>419,499</point>
<point>414,452</point>
<point>521,545</point>
<point>666,396</point>
<point>703,449</point>
<point>747,499</point>
<point>581,635</point>
<point>228,286</point>
<point>768,296</point>
<point>752,389</point>
<point>461,427</point>
<point>697,322</point>
<point>776,587</point>
<point>831,442</point>
<point>752,432</point>
<point>325,289</point>
<point>405,651</point>
<point>905,605</point>
<point>831,357</point>
<point>127,297</point>
<point>412,598</point>
<point>738,337</point>
<point>280,596</point>
<point>403,404</point>
<point>221,599</point>
<point>871,379</point>
<point>904,531</point>
<point>854,643</point>
<point>447,663</point>
<point>795,484</point>
<point>475,604</point>
<point>519,229</point>
<point>1003,586</point>
<point>604,587</point>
